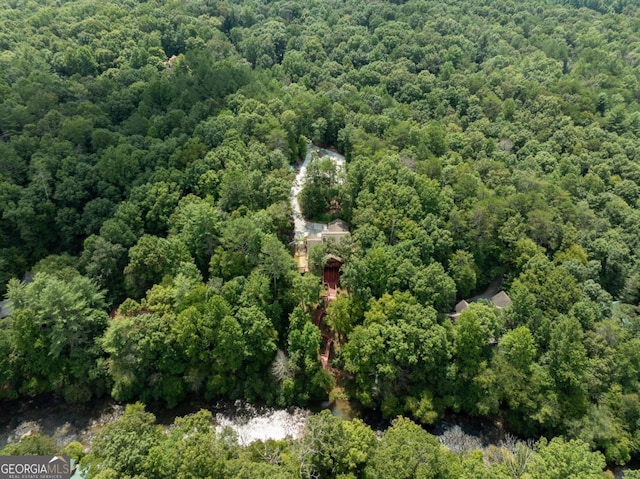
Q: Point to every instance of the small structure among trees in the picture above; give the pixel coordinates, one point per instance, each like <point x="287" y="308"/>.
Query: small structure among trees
<point x="500" y="300"/>
<point x="331" y="274"/>
<point x="459" y="308"/>
<point x="334" y="231"/>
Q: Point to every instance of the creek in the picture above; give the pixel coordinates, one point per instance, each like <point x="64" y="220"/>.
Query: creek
<point x="66" y="423"/>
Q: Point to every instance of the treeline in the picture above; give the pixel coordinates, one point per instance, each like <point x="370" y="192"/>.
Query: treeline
<point x="601" y="6"/>
<point x="149" y="196"/>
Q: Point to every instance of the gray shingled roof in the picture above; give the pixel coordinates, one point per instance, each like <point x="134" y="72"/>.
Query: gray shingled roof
<point x="338" y="226"/>
<point x="461" y="306"/>
<point x="501" y="299"/>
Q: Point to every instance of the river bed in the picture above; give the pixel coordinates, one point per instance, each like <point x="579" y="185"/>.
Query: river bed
<point x="66" y="423"/>
<point x="52" y="417"/>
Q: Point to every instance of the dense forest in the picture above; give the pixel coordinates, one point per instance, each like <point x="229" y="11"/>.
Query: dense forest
<point x="147" y="152"/>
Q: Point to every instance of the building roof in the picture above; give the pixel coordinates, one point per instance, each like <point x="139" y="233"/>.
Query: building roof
<point x="501" y="300"/>
<point x="169" y="63"/>
<point x="313" y="240"/>
<point x="338" y="226"/>
<point x="461" y="306"/>
<point x="333" y="257"/>
<point x="336" y="229"/>
<point x="336" y="235"/>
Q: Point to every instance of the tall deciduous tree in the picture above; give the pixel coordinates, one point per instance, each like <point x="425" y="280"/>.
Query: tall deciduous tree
<point x="408" y="451"/>
<point x="150" y="259"/>
<point x="55" y="323"/>
<point x="123" y="446"/>
<point x="399" y="351"/>
<point x="198" y="225"/>
<point x="558" y="459"/>
<point x="275" y="261"/>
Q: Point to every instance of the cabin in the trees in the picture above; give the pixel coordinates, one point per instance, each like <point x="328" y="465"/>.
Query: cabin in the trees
<point x="460" y="307"/>
<point x="499" y="300"/>
<point x="335" y="231"/>
<point x="169" y="63"/>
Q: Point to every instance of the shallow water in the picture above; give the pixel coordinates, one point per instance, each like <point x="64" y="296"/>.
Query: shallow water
<point x="252" y="423"/>
<point x="51" y="417"/>
<point x="67" y="423"/>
